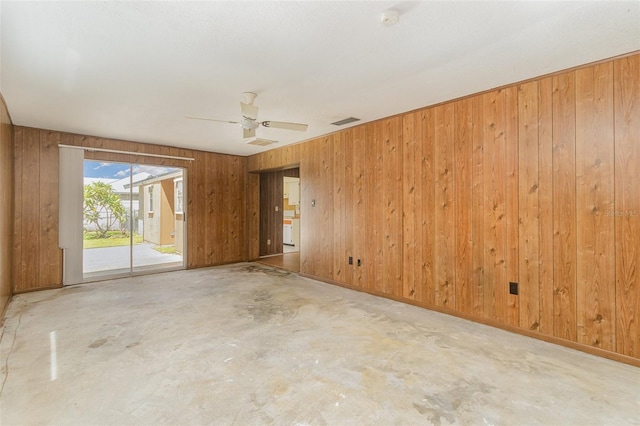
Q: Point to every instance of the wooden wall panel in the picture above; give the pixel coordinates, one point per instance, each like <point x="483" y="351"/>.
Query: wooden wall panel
<point x="6" y="207"/>
<point x="564" y="207"/>
<point x="412" y="191"/>
<point x="316" y="208"/>
<point x="477" y="206"/>
<point x="545" y="197"/>
<point x="444" y="212"/>
<point x="37" y="260"/>
<point x="626" y="213"/>
<point x="252" y="209"/>
<point x="271" y="214"/>
<point x="495" y="223"/>
<point x="595" y="184"/>
<point x="50" y="264"/>
<point x="373" y="260"/>
<point x="392" y="205"/>
<point x="463" y="205"/>
<point x="428" y="228"/>
<point x="215" y="201"/>
<point x="512" y="241"/>
<point x="358" y="204"/>
<point x="529" y="204"/>
<point x="341" y="211"/>
<point x="510" y="185"/>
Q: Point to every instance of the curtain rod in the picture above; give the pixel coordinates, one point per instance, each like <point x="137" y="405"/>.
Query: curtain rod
<point x="115" y="151"/>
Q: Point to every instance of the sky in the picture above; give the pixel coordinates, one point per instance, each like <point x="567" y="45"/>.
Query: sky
<point x="101" y="169"/>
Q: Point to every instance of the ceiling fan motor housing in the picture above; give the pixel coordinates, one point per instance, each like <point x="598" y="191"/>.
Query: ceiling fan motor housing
<point x="249" y="124"/>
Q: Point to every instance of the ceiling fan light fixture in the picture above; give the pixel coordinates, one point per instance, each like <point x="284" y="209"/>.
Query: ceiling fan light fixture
<point x="249" y="124"/>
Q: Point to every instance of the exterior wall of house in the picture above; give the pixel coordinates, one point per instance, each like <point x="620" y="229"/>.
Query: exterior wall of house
<point x="179" y="219"/>
<point x="159" y="221"/>
<point x="6" y="206"/>
<point x="532" y="184"/>
<point x="152" y="213"/>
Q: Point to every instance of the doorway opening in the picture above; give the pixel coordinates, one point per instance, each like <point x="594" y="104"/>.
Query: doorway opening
<point x="133" y="219"/>
<point x="280" y="217"/>
<point x="291" y="215"/>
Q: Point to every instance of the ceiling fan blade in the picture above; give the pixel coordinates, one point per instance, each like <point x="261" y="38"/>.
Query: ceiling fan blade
<point x="211" y="119"/>
<point x="249" y="111"/>
<point x="285" y="125"/>
<point x="248" y="133"/>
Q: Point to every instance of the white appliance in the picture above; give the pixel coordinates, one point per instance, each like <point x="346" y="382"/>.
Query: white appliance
<point x="287" y="233"/>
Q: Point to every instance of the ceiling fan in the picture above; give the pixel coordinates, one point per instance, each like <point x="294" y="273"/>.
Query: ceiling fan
<point x="249" y="121"/>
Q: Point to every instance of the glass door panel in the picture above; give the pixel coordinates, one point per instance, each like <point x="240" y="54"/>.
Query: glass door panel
<point x="106" y="233"/>
<point x="133" y="219"/>
<point x="160" y="220"/>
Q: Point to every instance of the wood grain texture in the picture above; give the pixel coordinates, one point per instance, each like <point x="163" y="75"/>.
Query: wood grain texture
<point x="411" y="246"/>
<point x="341" y="266"/>
<point x="529" y="205"/>
<point x="557" y="135"/>
<point x="495" y="223"/>
<point x="373" y="260"/>
<point x="392" y="205"/>
<point x="16" y="273"/>
<point x="359" y="204"/>
<point x="428" y="228"/>
<point x="463" y="205"/>
<point x="477" y="202"/>
<point x="28" y="274"/>
<point x="545" y="200"/>
<point x="512" y="241"/>
<point x="564" y="207"/>
<point x="627" y="204"/>
<point x="50" y="259"/>
<point x="347" y="142"/>
<point x="7" y="203"/>
<point x="444" y="212"/>
<point x="252" y="209"/>
<point x="595" y="197"/>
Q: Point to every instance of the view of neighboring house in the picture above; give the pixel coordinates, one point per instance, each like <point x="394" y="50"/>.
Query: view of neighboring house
<point x="128" y="198"/>
<point x="161" y="209"/>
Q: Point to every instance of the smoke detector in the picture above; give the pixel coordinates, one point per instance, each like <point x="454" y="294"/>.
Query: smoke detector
<point x="389" y="17"/>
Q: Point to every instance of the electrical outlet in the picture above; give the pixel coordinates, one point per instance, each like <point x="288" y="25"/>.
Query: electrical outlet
<point x="277" y="208"/>
<point x="513" y="288"/>
<point x="350" y="260"/>
<point x="268" y="242"/>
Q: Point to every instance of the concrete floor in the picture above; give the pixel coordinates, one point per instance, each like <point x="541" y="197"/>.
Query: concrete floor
<point x="98" y="262"/>
<point x="247" y="344"/>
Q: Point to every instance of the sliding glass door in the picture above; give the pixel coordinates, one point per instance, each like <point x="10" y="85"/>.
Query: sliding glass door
<point x="133" y="219"/>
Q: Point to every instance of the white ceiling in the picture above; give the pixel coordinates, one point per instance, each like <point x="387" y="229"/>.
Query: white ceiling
<point x="132" y="70"/>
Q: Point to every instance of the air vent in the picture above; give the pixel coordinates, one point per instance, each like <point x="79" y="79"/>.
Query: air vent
<point x="260" y="142"/>
<point x="345" y="121"/>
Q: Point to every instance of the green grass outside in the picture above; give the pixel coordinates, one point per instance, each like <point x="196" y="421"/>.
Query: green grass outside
<point x="166" y="249"/>
<point x="113" y="239"/>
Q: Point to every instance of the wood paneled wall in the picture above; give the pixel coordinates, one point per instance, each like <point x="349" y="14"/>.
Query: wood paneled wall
<point x="6" y="206"/>
<point x="445" y="206"/>
<point x="215" y="202"/>
<point x="271" y="204"/>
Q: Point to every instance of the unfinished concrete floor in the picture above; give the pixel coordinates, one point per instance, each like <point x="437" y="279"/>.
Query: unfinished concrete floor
<point x="247" y="344"/>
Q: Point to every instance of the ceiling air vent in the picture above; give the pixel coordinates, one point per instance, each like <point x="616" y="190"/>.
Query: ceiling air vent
<point x="260" y="142"/>
<point x="345" y="121"/>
